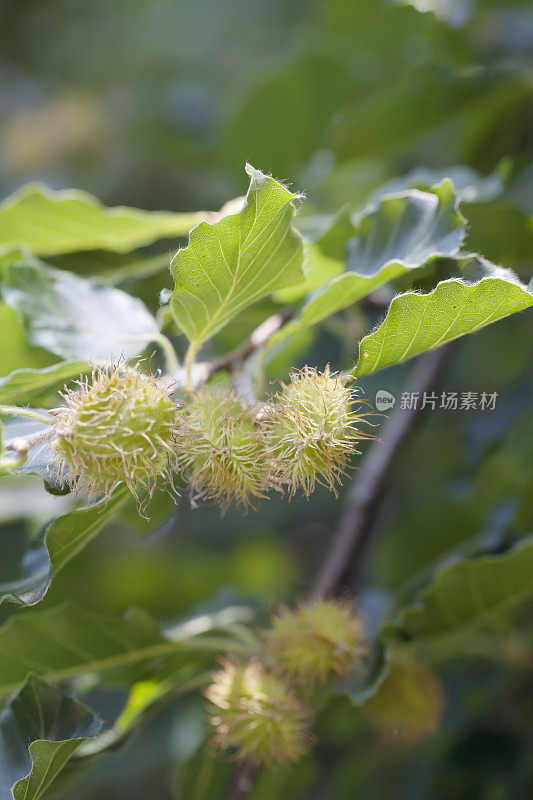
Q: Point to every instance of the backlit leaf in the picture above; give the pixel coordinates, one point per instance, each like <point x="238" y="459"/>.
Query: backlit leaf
<point x="238" y="260"/>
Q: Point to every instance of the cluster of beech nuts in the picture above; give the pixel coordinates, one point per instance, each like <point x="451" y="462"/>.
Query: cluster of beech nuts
<point x="119" y="426"/>
<point x="261" y="709"/>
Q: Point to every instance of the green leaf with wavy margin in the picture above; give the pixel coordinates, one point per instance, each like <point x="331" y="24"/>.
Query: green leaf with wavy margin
<point x="50" y="222"/>
<point x="238" y="260"/>
<point x="403" y="233"/>
<point x="66" y="641"/>
<point x="419" y="322"/>
<point x="64" y="538"/>
<point x="467" y="594"/>
<point x="40" y="730"/>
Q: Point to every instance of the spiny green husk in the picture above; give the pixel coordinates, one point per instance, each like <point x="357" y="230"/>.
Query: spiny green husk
<point x="258" y="713"/>
<point x="317" y="641"/>
<point x="314" y="429"/>
<point x="118" y="426"/>
<point x="222" y="450"/>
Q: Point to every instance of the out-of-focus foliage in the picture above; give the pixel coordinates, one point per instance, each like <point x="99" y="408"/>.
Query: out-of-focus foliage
<point x="157" y="105"/>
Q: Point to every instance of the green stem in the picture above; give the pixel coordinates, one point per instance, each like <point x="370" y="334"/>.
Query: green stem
<point x="171" y="358"/>
<point x="17" y="411"/>
<point x="191" y="352"/>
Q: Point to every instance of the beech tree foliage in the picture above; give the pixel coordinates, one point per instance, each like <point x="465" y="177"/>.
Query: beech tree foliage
<point x="248" y="366"/>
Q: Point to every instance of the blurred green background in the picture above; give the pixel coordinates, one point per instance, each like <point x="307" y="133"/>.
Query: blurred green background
<point x="158" y="104"/>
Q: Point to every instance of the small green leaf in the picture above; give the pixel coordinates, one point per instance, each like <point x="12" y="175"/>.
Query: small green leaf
<point x="238" y="260"/>
<point x="419" y="322"/>
<point x="339" y="293"/>
<point x="64" y="538"/>
<point x="403" y="233"/>
<point x="66" y="641"/>
<point x="40" y="729"/>
<point x="50" y="222"/>
<point x="75" y="317"/>
<point x="145" y="698"/>
<point x="23" y="385"/>
<point x="467" y="594"/>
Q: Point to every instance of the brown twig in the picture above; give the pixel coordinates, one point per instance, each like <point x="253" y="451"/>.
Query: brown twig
<point x="258" y="339"/>
<point x="356" y="523"/>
